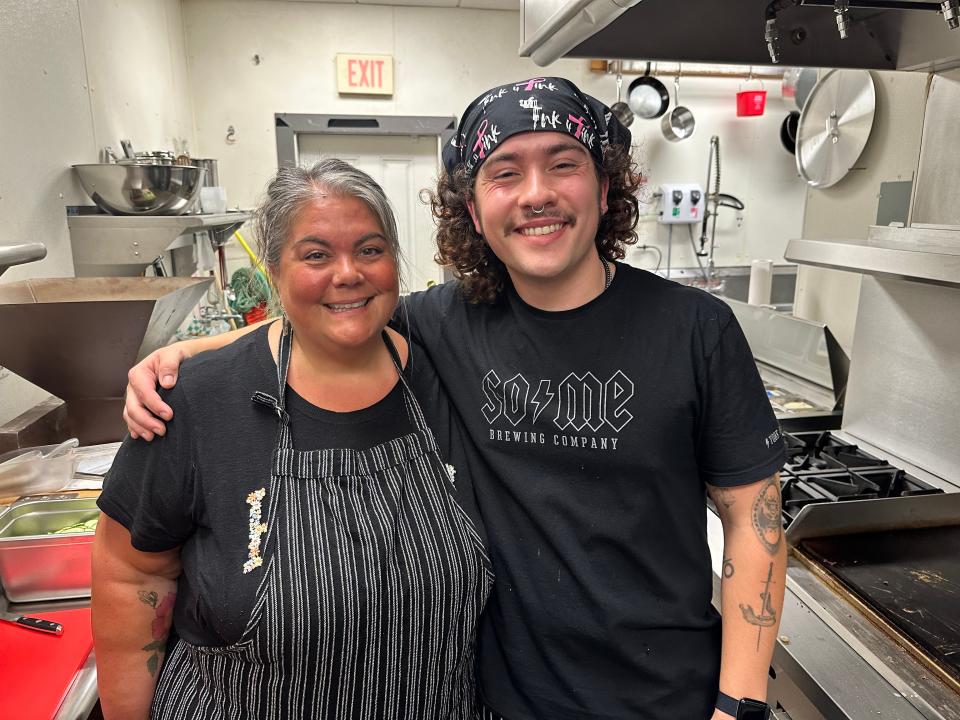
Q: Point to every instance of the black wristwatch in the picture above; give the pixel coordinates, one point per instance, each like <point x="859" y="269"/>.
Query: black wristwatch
<point x="742" y="709"/>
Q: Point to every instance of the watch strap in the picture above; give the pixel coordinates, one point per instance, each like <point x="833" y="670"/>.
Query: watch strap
<point x="727" y="704"/>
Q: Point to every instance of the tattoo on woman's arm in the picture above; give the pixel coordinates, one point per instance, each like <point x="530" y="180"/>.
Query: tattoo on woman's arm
<point x="159" y="628"/>
<point x="767" y="521"/>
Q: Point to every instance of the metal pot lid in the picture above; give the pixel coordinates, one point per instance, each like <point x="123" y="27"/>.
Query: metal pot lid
<point x="835" y="126"/>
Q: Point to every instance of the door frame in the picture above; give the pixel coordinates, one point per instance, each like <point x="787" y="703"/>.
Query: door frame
<point x="289" y="126"/>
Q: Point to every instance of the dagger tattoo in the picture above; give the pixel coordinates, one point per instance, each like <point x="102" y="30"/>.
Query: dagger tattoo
<point x="768" y="615"/>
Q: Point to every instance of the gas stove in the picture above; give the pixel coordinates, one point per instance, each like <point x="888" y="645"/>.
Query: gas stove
<point x="822" y="468"/>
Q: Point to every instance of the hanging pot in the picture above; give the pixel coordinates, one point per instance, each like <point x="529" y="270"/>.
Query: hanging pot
<point x="620" y="109"/>
<point x="796" y="86"/>
<point x="788" y="132"/>
<point x="647" y="96"/>
<point x="679" y="123"/>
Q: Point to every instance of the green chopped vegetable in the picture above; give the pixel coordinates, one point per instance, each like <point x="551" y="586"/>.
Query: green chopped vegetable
<point x="83" y="527"/>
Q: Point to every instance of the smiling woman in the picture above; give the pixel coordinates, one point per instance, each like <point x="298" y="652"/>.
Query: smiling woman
<point x="309" y="532"/>
<point x="332" y="251"/>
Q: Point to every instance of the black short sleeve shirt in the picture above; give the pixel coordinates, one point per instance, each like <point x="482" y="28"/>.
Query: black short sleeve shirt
<point x="188" y="488"/>
<point x="596" y="430"/>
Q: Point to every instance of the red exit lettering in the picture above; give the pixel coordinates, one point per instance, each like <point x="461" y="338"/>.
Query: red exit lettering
<point x="365" y="73"/>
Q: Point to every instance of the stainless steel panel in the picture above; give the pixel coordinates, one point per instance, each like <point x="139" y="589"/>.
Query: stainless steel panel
<point x="789" y="343"/>
<point x="903" y="393"/>
<point x="942" y="266"/>
<point x="36" y="565"/>
<point x="555" y="27"/>
<point x="733" y="32"/>
<point x="77" y="337"/>
<point x="894" y="202"/>
<point x="938" y="175"/>
<point x="875" y="515"/>
<point x="943" y="239"/>
<point x="122" y="246"/>
<point x="11" y="255"/>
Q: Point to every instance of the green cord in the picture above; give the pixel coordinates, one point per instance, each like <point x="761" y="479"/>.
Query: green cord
<point x="250" y="288"/>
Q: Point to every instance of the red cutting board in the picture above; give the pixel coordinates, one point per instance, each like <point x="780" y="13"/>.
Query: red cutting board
<point x="36" y="669"/>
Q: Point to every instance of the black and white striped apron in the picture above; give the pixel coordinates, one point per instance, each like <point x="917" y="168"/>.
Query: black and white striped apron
<point x="373" y="580"/>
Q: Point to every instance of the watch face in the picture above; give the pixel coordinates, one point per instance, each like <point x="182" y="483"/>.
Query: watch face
<point x="752" y="710"/>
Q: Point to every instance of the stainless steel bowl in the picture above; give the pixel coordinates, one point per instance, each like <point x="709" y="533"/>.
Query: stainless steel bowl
<point x="132" y="189"/>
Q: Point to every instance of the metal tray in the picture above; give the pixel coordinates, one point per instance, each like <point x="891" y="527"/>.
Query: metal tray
<point x="35" y="565"/>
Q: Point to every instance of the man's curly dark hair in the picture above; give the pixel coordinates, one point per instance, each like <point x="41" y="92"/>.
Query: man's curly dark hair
<point x="481" y="273"/>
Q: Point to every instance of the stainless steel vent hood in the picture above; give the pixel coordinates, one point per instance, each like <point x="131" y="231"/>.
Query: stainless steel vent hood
<point x="881" y="34"/>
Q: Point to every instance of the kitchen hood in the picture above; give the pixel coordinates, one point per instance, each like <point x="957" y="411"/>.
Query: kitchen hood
<point x="880" y="34"/>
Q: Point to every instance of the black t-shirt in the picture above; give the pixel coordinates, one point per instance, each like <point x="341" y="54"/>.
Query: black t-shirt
<point x="596" y="429"/>
<point x="188" y="487"/>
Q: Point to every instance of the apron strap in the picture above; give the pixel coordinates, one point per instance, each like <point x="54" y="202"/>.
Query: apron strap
<point x="283" y="362"/>
<point x="278" y="403"/>
<point x="409" y="399"/>
<point x="271" y="402"/>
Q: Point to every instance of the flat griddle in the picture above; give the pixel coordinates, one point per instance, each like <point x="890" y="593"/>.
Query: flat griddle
<point x="910" y="579"/>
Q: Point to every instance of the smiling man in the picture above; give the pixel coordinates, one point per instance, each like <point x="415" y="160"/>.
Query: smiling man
<point x="603" y="403"/>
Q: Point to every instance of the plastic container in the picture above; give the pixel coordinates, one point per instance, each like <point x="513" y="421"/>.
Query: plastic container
<point x="37" y="470"/>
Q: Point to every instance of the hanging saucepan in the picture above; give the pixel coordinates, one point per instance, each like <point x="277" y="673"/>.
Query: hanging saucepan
<point x="788" y="132"/>
<point x="620" y="109"/>
<point x="678" y="124"/>
<point x="796" y="86"/>
<point x="647" y="96"/>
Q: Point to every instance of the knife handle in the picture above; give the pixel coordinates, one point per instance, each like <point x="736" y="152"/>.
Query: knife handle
<point x="42" y="625"/>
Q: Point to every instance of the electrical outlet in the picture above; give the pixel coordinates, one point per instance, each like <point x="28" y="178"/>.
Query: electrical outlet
<point x="681" y="203"/>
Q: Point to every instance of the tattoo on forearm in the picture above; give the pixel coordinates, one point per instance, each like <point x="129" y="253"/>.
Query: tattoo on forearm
<point x="728" y="568"/>
<point x="767" y="617"/>
<point x="722" y="496"/>
<point x="159" y="628"/>
<point x="767" y="521"/>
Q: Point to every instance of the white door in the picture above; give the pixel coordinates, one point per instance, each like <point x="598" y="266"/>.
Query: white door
<point x="403" y="165"/>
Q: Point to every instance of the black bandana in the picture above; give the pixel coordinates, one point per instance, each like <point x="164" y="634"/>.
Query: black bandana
<point x="537" y="105"/>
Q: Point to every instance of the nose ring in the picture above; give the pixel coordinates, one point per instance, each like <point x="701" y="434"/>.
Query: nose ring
<point x="538" y="212"/>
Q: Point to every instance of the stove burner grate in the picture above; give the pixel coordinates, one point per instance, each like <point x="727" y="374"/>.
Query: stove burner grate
<point x="821" y="468"/>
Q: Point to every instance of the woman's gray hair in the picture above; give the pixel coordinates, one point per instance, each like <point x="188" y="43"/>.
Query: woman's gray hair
<point x="293" y="187"/>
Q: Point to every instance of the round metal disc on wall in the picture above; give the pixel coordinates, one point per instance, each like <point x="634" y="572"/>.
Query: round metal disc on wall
<point x="834" y="126"/>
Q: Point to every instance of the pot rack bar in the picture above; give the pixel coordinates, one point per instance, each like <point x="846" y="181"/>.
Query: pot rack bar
<point x="639" y="67"/>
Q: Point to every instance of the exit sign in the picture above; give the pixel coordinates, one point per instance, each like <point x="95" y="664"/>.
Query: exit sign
<point x="364" y="74"/>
